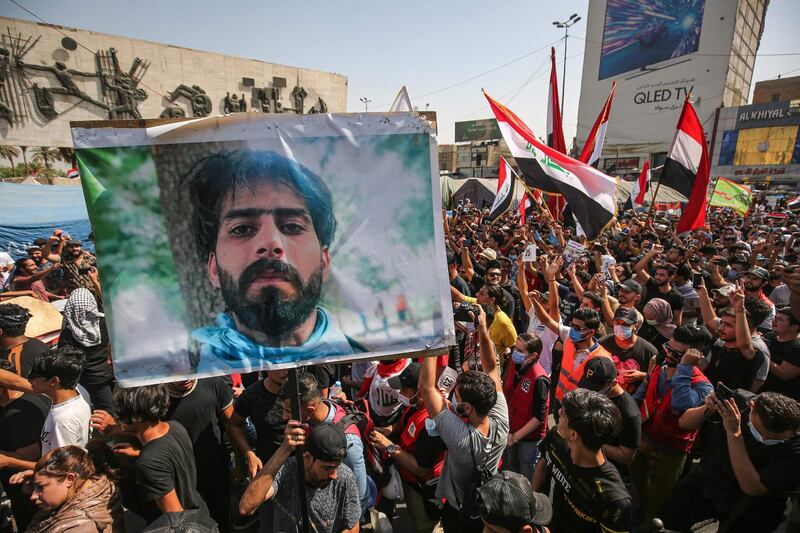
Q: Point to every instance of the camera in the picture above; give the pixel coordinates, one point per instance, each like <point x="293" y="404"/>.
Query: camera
<point x="461" y="313"/>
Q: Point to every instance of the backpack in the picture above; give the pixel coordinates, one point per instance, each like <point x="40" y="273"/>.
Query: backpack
<point x="357" y="413"/>
<point x="470" y="508"/>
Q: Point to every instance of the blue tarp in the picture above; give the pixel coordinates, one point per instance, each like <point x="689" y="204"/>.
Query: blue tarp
<point x="28" y="212"/>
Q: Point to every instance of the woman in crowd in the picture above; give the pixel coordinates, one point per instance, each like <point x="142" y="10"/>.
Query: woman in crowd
<point x="658" y="326"/>
<point x="74" y="495"/>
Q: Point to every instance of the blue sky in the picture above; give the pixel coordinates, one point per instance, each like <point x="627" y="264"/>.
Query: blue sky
<point x="381" y="45"/>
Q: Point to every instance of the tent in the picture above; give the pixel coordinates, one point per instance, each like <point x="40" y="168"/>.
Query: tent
<point x="28" y="212"/>
<point x="480" y="191"/>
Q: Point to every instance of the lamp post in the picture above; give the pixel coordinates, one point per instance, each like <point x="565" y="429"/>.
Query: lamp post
<point x="366" y="103"/>
<point x="567" y="24"/>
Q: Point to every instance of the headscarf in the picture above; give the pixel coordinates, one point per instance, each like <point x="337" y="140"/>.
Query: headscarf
<point x="663" y="316"/>
<point x="82" y="317"/>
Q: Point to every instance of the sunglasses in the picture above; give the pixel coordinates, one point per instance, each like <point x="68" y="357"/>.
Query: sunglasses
<point x="671" y="350"/>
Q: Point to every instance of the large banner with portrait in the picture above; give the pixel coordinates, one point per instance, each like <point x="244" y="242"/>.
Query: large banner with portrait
<point x="249" y="242"/>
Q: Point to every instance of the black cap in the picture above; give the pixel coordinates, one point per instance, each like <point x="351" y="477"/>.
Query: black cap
<point x="598" y="372"/>
<point x="74" y="242"/>
<point x="408" y="378"/>
<point x="507" y="500"/>
<point x="327" y="442"/>
<point x="626" y="315"/>
<point x="630" y="285"/>
<point x="759" y="272"/>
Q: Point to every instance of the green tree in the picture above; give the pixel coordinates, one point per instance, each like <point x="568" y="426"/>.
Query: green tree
<point x="9" y="152"/>
<point x="45" y="154"/>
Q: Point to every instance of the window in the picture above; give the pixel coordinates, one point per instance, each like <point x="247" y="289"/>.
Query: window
<point x="776" y="97"/>
<point x="727" y="148"/>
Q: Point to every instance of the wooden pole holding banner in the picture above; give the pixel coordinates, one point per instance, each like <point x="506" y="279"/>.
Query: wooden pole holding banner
<point x="294" y="400"/>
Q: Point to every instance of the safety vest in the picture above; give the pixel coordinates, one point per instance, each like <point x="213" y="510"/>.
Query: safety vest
<point x="568" y="379"/>
<point x="659" y="421"/>
<point x="520" y="399"/>
<point x="414" y="424"/>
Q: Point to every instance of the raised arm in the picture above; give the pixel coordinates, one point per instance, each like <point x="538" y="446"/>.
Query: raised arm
<point x="744" y="341"/>
<point x="487" y="353"/>
<point x="543" y="316"/>
<point x="466" y="262"/>
<point x="427" y="387"/>
<point x="522" y="284"/>
<point x="706" y="308"/>
<point x="642" y="276"/>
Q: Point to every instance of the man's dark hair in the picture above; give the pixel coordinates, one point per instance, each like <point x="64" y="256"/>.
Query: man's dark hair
<point x="148" y="404"/>
<point x="40" y="242"/>
<point x="66" y="363"/>
<point x="214" y="178"/>
<point x="596" y="299"/>
<point x="533" y="344"/>
<point x="21" y="261"/>
<point x="681" y="250"/>
<point x="684" y="271"/>
<point x="669" y="267"/>
<point x="779" y="413"/>
<point x="478" y="389"/>
<point x="590" y="317"/>
<point x="757" y="311"/>
<point x="13" y="319"/>
<point x="697" y="337"/>
<point x="499" y="238"/>
<point x="492" y="263"/>
<point x="592" y="416"/>
<point x="584" y="276"/>
<point x="307" y="388"/>
<point x="496" y="292"/>
<point x="785" y="311"/>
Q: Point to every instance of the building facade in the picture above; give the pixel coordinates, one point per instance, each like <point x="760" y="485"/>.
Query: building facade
<point x="777" y="90"/>
<point x="51" y="75"/>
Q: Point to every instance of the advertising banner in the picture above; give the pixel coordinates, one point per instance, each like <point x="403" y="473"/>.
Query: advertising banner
<point x="477" y="130"/>
<point x="251" y="241"/>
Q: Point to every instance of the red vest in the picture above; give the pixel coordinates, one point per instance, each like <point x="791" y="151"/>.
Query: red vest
<point x="339" y="414"/>
<point x="412" y="429"/>
<point x="660" y="422"/>
<point x="520" y="399"/>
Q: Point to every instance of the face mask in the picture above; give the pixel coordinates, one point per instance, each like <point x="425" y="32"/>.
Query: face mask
<point x="513" y="257"/>
<point x="406" y="401"/>
<point x="518" y="357"/>
<point x="576" y="336"/>
<point x="760" y="438"/>
<point x="623" y="332"/>
<point x="652" y="322"/>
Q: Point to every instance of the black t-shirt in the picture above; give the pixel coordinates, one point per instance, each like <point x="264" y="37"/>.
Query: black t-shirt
<point x="325" y="374"/>
<point x="672" y="297"/>
<point x="641" y="351"/>
<point x="779" y="351"/>
<point x="777" y="467"/>
<point x="731" y="368"/>
<point x="198" y="412"/>
<point x="584" y="499"/>
<point x="97" y="369"/>
<point x="32" y="349"/>
<point x="461" y="285"/>
<point x="266" y="412"/>
<point x="630" y="434"/>
<point x="21" y="421"/>
<point x="651" y="335"/>
<point x="568" y="302"/>
<point x="167" y="464"/>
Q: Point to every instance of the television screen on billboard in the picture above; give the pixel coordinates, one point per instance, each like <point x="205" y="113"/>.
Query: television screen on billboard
<point x="638" y="33"/>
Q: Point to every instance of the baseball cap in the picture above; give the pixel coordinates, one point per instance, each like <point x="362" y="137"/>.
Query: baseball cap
<point x="489" y="254"/>
<point x="74" y="242"/>
<point x="759" y="272"/>
<point x="598" y="372"/>
<point x="409" y="377"/>
<point x="626" y="315"/>
<point x="725" y="290"/>
<point x="327" y="442"/>
<point x="630" y="285"/>
<point x="507" y="500"/>
<point x="33" y="248"/>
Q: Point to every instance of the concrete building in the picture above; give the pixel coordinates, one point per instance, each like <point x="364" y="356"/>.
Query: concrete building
<point x="52" y="75"/>
<point x="778" y="90"/>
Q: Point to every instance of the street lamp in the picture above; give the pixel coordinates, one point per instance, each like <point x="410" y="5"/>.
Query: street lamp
<point x="567" y="24"/>
<point x="366" y="103"/>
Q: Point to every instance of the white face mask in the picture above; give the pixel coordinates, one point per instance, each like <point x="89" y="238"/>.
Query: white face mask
<point x="406" y="401"/>
<point x="623" y="332"/>
<point x="653" y="322"/>
<point x="760" y="438"/>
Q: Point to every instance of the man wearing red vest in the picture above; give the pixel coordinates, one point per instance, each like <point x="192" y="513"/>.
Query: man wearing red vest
<point x="673" y="385"/>
<point x="527" y="389"/>
<point x="580" y="345"/>
<point x="418" y="450"/>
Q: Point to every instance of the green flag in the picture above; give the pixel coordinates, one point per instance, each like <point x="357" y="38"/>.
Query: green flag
<point x="729" y="194"/>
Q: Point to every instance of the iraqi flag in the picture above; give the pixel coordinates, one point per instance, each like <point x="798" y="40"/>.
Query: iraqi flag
<point x="505" y="191"/>
<point x="524" y="204"/>
<point x="555" y="134"/>
<point x="73" y="173"/>
<point x="686" y="169"/>
<point x="591" y="194"/>
<point x="794" y="203"/>
<point x="597" y="137"/>
<point x="640" y="188"/>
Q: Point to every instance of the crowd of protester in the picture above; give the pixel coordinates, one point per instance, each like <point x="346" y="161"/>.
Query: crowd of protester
<point x="648" y="383"/>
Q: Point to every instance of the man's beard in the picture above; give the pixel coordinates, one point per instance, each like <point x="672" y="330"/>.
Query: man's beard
<point x="273" y="313"/>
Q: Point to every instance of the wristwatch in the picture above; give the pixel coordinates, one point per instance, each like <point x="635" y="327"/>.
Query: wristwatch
<point x="391" y="449"/>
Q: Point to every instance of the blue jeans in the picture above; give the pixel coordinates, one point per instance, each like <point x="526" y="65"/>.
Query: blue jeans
<point x="522" y="457"/>
<point x="355" y="461"/>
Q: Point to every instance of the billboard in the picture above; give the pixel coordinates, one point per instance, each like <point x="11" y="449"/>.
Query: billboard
<point x="477" y="130"/>
<point x="639" y="33"/>
<point x="252" y="241"/>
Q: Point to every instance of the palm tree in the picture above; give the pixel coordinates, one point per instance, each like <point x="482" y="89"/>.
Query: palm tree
<point x="9" y="152"/>
<point x="25" y="158"/>
<point x="45" y="154"/>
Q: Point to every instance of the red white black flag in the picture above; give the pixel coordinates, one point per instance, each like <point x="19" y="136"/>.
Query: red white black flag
<point x="555" y="133"/>
<point x="524" y="205"/>
<point x="686" y="169"/>
<point x="640" y="188"/>
<point x="597" y="137"/>
<point x="505" y="190"/>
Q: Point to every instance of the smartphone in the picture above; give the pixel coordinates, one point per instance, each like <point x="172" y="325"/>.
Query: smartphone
<point x="723" y="392"/>
<point x="467" y="242"/>
<point x="697" y="280"/>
